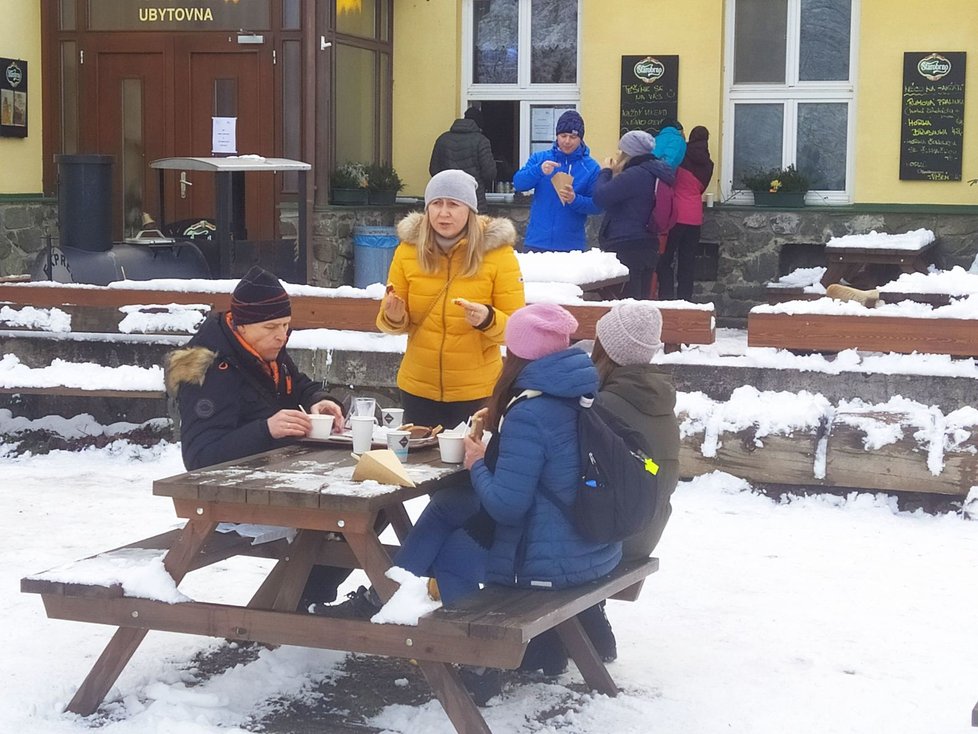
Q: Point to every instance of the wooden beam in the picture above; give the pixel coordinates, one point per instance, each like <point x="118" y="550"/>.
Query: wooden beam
<point x="810" y="332"/>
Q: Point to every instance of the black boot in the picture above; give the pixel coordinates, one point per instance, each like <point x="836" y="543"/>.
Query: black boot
<point x="360" y="604"/>
<point x="545" y="652"/>
<point x="481" y="683"/>
<point x="598" y="629"/>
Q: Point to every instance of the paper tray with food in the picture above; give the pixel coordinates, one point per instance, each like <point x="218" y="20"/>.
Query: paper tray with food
<point x="421" y="437"/>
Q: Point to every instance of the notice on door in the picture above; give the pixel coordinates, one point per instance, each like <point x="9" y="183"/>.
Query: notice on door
<point x="649" y="92"/>
<point x="932" y="127"/>
<point x="224" y="136"/>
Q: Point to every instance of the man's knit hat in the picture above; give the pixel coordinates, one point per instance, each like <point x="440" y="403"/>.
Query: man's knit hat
<point x="636" y="142"/>
<point x="259" y="296"/>
<point x="452" y="184"/>
<point x="571" y="122"/>
<point x="630" y="332"/>
<point x="539" y="329"/>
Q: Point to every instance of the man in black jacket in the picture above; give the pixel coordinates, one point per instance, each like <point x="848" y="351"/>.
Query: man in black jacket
<point x="239" y="392"/>
<point x="465" y="147"/>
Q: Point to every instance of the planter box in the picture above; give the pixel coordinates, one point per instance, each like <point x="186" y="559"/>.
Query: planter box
<point x="779" y="198"/>
<point x="382" y="198"/>
<point x="349" y="197"/>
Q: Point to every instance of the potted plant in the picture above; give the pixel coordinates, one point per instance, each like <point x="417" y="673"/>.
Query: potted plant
<point x="777" y="186"/>
<point x="383" y="183"/>
<point x="348" y="184"/>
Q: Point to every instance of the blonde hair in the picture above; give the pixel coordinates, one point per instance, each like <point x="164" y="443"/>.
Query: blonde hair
<point x="619" y="163"/>
<point x="429" y="254"/>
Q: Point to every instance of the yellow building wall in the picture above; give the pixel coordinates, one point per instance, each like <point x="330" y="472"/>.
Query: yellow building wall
<point x="427" y="83"/>
<point x="20" y="38"/>
<point x="887" y="30"/>
<point x="693" y="30"/>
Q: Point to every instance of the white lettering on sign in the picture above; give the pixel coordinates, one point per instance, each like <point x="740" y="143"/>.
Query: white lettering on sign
<point x="177" y="15"/>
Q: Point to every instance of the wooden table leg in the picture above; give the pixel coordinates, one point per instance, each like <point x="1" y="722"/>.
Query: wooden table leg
<point x="400" y="521"/>
<point x="448" y="689"/>
<point x="124" y="642"/>
<point x="374" y="560"/>
<point x="588" y="661"/>
<point x="282" y="588"/>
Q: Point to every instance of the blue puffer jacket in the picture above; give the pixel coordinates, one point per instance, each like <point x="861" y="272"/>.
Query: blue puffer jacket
<point x="627" y="200"/>
<point x="554" y="226"/>
<point x="535" y="545"/>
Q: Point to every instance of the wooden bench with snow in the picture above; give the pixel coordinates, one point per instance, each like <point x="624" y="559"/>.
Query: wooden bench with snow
<point x="801" y="439"/>
<point x="932" y="313"/>
<point x="343" y="308"/>
<point x="136" y="588"/>
<point x="868" y="260"/>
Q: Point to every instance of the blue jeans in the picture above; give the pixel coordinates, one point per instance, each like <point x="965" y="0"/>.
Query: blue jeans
<point x="439" y="546"/>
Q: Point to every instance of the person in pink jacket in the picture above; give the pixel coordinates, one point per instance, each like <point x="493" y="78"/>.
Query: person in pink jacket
<point x="692" y="178"/>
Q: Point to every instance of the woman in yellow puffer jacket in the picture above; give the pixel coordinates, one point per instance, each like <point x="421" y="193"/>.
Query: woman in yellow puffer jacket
<point x="453" y="283"/>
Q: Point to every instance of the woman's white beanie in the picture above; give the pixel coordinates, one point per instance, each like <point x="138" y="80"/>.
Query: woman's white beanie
<point x="452" y="184"/>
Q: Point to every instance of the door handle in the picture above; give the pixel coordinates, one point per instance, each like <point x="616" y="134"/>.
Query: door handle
<point x="184" y="183"/>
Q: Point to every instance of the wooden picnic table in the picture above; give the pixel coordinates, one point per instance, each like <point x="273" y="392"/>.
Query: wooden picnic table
<point x="309" y="487"/>
<point x="868" y="267"/>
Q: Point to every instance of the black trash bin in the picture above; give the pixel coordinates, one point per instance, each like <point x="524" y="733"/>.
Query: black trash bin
<point x="85" y="201"/>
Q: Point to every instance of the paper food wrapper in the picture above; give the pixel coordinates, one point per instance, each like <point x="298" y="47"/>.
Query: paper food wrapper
<point x="382" y="465"/>
<point x="560" y="180"/>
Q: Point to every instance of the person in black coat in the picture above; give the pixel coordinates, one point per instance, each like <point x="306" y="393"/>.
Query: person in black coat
<point x="239" y="392"/>
<point x="465" y="147"/>
<point x="625" y="189"/>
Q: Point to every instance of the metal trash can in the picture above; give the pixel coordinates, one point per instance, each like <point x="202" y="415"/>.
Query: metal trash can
<point x="373" y="250"/>
<point x="85" y="201"/>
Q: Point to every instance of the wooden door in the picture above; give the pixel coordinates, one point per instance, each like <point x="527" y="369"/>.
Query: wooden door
<point x="216" y="79"/>
<point x="128" y="119"/>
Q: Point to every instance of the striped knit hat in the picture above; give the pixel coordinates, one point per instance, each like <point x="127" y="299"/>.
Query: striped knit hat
<point x="259" y="297"/>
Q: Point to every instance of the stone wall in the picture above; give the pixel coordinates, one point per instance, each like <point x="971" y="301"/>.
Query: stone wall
<point x="23" y="225"/>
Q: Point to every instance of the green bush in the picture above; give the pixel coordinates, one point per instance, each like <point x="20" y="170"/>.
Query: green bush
<point x="383" y="177"/>
<point x="350" y="175"/>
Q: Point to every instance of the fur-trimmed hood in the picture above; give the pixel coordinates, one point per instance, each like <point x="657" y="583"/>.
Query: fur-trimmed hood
<point x="187" y="365"/>
<point x="498" y="231"/>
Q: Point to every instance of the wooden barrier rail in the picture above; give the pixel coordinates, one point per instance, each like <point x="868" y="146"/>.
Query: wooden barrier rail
<point x="679" y="325"/>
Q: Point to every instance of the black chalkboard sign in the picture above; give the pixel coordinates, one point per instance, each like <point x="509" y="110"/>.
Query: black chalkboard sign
<point x="649" y="92"/>
<point x="932" y="126"/>
<point x="13" y="98"/>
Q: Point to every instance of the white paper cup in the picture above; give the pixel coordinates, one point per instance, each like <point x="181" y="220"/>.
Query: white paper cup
<point x="322" y="425"/>
<point x="393" y="417"/>
<point x="362" y="428"/>
<point x="451" y="447"/>
<point x="398" y="442"/>
<point x="708" y="198"/>
<point x="364" y="407"/>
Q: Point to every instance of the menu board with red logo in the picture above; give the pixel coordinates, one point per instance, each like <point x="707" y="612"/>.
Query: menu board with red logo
<point x="649" y="92"/>
<point x="13" y="98"/>
<point x="932" y="126"/>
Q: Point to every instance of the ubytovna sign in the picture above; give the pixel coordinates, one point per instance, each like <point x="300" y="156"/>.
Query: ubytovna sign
<point x="179" y="15"/>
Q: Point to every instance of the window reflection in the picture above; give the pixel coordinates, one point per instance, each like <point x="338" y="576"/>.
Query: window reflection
<point x="355" y="104"/>
<point x="357" y="17"/>
<point x="760" y="37"/>
<point x="758" y="136"/>
<point x="822" y="149"/>
<point x="495" y="41"/>
<point x="824" y="47"/>
<point x="553" y="42"/>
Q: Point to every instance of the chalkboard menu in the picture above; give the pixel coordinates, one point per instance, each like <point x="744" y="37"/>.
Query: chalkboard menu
<point x="932" y="125"/>
<point x="13" y="98"/>
<point x="649" y="92"/>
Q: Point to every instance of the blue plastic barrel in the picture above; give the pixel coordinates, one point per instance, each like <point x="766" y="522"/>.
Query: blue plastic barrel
<point x="373" y="250"/>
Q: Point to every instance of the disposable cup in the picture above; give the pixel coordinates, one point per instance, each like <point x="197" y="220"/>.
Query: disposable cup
<point x="708" y="198"/>
<point x="451" y="447"/>
<point x="398" y="442"/>
<point x="362" y="428"/>
<point x="322" y="425"/>
<point x="364" y="407"/>
<point x="393" y="417"/>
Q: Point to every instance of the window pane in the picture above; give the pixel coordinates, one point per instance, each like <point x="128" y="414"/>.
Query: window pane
<point x="495" y="38"/>
<point x="553" y="41"/>
<point x="758" y="135"/>
<point x="760" y="33"/>
<point x="357" y="17"/>
<point x="356" y="90"/>
<point x="291" y="109"/>
<point x="290" y="15"/>
<point x="69" y="97"/>
<point x="824" y="50"/>
<point x="385" y="109"/>
<point x="67" y="15"/>
<point x="133" y="156"/>
<point x="822" y="149"/>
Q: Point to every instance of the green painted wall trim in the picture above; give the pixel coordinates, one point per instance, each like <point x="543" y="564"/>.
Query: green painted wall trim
<point x="19" y="198"/>
<point x="962" y="209"/>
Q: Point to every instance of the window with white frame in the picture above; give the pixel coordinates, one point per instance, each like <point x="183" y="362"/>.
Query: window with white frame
<point x="520" y="67"/>
<point x="790" y="93"/>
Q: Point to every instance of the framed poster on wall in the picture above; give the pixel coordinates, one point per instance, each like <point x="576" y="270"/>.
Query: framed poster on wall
<point x="13" y="98"/>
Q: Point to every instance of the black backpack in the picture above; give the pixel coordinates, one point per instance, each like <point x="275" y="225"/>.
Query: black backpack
<point x="618" y="486"/>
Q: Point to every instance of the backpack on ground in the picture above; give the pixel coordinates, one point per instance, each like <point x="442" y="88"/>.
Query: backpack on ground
<point x="618" y="485"/>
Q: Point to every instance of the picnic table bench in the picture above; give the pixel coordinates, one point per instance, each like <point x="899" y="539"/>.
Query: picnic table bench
<point x="867" y="267"/>
<point x="307" y="487"/>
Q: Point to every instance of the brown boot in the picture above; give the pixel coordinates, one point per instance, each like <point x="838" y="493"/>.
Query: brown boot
<point x="847" y="293"/>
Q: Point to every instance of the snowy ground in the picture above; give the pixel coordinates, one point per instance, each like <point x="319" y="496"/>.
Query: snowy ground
<point x="817" y="615"/>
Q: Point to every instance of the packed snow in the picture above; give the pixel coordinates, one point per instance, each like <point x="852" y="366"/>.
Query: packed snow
<point x="913" y="240"/>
